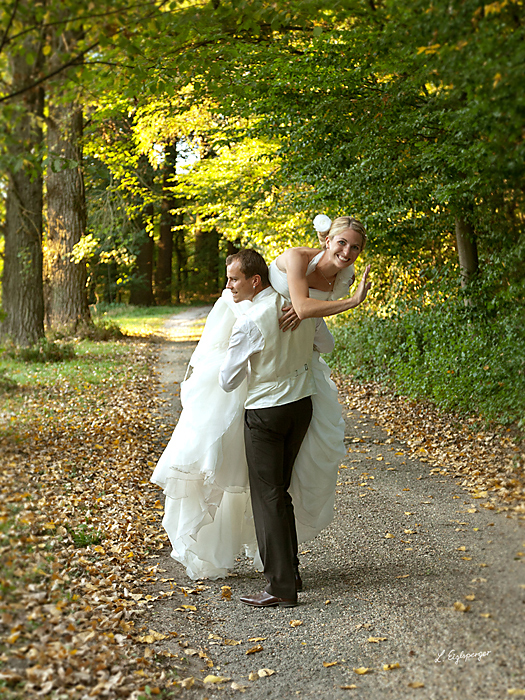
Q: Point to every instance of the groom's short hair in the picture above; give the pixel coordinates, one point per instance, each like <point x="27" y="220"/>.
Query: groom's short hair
<point x="251" y="263"/>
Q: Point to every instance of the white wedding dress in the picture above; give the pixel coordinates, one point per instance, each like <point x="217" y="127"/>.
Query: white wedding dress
<point x="203" y="469"/>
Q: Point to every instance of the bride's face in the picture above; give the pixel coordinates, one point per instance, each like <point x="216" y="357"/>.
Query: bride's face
<point x="344" y="247"/>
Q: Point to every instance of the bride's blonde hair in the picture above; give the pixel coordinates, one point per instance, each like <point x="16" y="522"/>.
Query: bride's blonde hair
<point x="340" y="224"/>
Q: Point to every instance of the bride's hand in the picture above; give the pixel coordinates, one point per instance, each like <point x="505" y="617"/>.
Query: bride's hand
<point x="289" y="320"/>
<point x="363" y="288"/>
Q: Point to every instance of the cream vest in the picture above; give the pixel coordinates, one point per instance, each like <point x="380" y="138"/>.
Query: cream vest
<point x="281" y="372"/>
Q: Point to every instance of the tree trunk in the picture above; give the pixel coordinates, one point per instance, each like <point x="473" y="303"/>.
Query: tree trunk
<point x="23" y="298"/>
<point x="467" y="250"/>
<point x="66" y="293"/>
<point x="142" y="284"/>
<point x="181" y="258"/>
<point x="163" y="272"/>
<point x="207" y="259"/>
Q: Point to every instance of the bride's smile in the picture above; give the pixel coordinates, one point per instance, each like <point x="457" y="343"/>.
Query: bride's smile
<point x="342" y="250"/>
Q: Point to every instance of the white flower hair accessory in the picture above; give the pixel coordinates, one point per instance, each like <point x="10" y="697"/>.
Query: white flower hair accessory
<point x="322" y="223"/>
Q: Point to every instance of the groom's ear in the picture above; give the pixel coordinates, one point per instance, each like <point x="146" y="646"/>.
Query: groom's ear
<point x="256" y="281"/>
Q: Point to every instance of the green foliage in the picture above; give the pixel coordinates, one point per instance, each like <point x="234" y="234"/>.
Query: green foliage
<point x="43" y="351"/>
<point x="101" y="330"/>
<point x="463" y="359"/>
<point x="7" y="383"/>
<point x="400" y="115"/>
<point x="408" y="115"/>
<point x="85" y="535"/>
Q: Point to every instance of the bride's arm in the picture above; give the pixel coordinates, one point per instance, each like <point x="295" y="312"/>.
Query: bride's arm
<point x="295" y="262"/>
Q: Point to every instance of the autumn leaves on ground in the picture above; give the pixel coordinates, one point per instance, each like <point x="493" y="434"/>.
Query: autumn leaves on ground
<point x="79" y="519"/>
<point x="77" y="526"/>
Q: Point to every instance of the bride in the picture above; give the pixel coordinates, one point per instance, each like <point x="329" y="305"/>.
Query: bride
<point x="203" y="469"/>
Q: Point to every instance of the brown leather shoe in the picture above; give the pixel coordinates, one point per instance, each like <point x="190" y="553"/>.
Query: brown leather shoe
<point x="267" y="600"/>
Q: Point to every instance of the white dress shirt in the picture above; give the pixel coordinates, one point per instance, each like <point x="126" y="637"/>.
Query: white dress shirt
<point x="246" y="340"/>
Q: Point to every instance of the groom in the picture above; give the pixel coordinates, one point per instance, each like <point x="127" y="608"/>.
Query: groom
<point x="277" y="416"/>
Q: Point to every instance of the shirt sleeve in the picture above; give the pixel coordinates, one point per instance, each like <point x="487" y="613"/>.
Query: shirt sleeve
<point x="245" y="340"/>
<point x="323" y="339"/>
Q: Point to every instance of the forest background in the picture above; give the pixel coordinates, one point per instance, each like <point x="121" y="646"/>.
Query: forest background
<point x="142" y="143"/>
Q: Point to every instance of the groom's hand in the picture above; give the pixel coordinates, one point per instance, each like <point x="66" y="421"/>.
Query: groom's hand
<point x="289" y="320"/>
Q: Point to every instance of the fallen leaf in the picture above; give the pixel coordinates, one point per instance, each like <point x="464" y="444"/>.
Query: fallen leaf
<point x="263" y="672"/>
<point x="362" y="670"/>
<point x="390" y="667"/>
<point x="348" y="687"/>
<point x="416" y="684"/>
<point x="255" y="649"/>
<point x="256" y="639"/>
<point x="152" y="637"/>
<point x="515" y="691"/>
<point x="253" y="676"/>
<point x="226" y="592"/>
<point x="388" y="536"/>
<point x="215" y="679"/>
<point x="471" y="596"/>
<point x="376" y="639"/>
<point x="296" y="623"/>
<point x="187" y="682"/>
<point x="238" y="686"/>
<point x="232" y="642"/>
<point x="326" y="664"/>
<point x="10" y="677"/>
<point x="460" y="607"/>
<point x="191" y="652"/>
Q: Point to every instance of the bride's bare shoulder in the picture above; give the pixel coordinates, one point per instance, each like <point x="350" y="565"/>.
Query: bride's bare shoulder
<point x="301" y="254"/>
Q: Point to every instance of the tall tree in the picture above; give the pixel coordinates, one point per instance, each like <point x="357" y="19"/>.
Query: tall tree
<point x="66" y="295"/>
<point x="29" y="59"/>
<point x="23" y="299"/>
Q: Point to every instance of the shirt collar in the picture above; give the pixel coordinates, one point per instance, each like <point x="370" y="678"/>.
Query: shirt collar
<point x="265" y="292"/>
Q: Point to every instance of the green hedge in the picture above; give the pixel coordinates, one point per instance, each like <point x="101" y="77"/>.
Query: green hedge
<point x="460" y="359"/>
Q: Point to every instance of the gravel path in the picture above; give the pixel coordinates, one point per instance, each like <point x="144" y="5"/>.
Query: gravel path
<point x="380" y="586"/>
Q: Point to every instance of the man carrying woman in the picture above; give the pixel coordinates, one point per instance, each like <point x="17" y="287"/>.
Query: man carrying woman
<point x="203" y="470"/>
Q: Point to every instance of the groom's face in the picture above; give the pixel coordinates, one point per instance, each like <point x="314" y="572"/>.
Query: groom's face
<point x="242" y="288"/>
